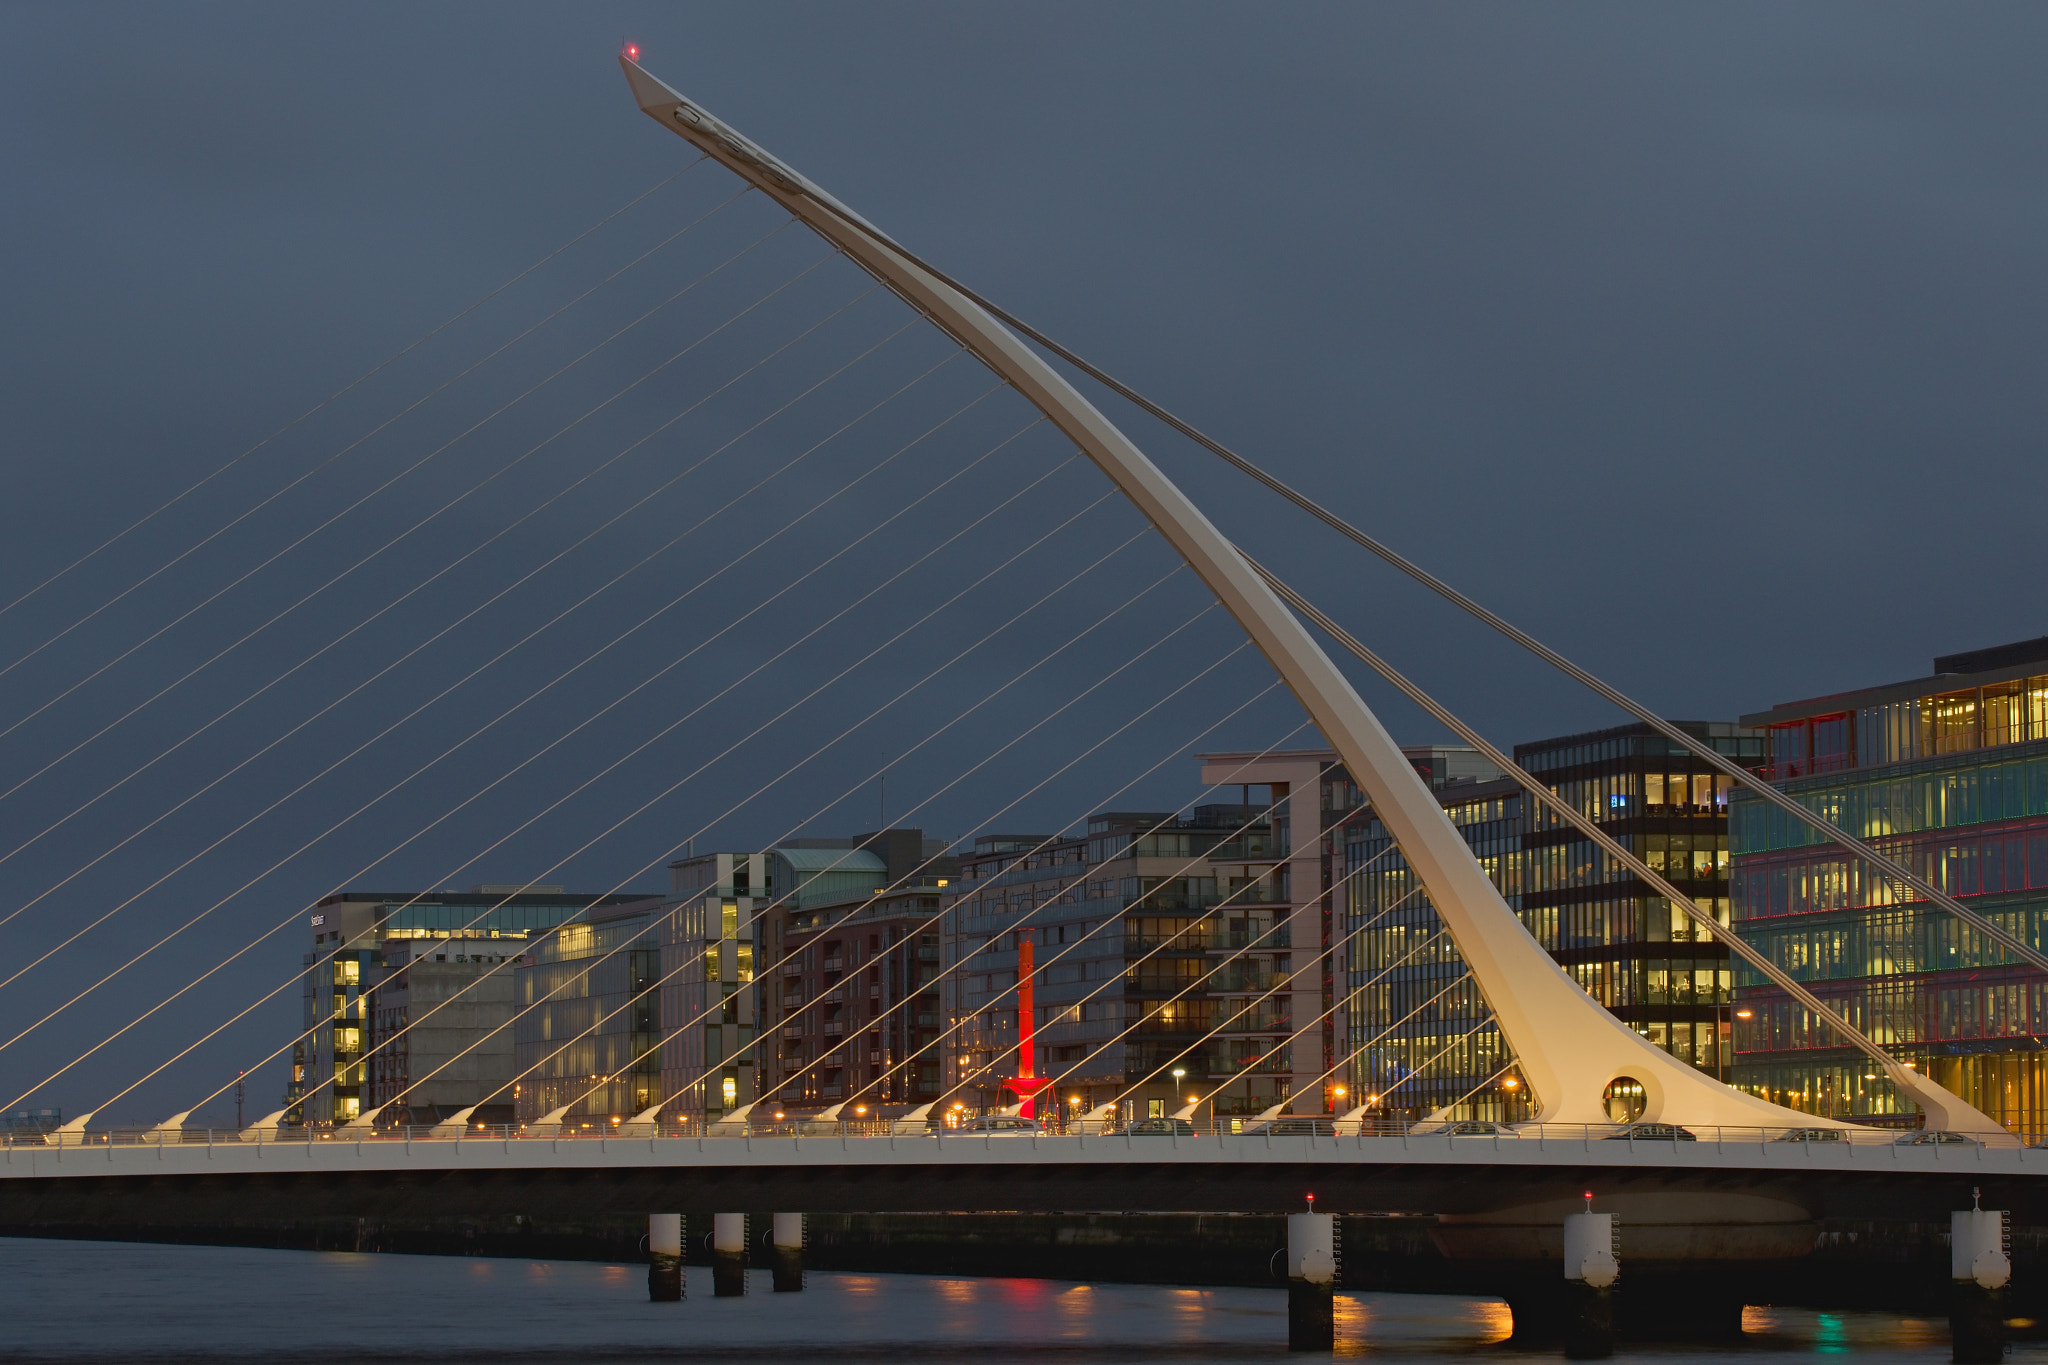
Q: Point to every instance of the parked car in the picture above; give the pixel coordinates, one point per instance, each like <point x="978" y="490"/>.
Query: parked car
<point x="1001" y="1125"/>
<point x="1652" y="1132"/>
<point x="1937" y="1138"/>
<point x="1814" y="1135"/>
<point x="1299" y="1125"/>
<point x="1481" y="1128"/>
<point x="1160" y="1128"/>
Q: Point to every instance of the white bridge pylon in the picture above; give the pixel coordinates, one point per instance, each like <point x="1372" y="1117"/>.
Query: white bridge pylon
<point x="1570" y="1049"/>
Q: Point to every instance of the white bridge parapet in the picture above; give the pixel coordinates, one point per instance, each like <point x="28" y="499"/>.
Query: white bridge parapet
<point x="1534" y="1147"/>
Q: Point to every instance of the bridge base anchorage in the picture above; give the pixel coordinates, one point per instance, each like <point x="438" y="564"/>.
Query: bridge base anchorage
<point x="1591" y="1266"/>
<point x="1980" y="1266"/>
<point x="1311" y="1282"/>
<point x="728" y="1255"/>
<point x="786" y="1241"/>
<point x="665" y="1257"/>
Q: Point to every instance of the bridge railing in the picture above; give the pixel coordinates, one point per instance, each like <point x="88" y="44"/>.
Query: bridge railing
<point x="1223" y="1130"/>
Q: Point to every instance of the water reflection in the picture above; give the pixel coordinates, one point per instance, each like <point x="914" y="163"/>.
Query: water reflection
<point x="80" y="1302"/>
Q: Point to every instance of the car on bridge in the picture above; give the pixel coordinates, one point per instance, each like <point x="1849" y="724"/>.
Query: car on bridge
<point x="1160" y="1128"/>
<point x="1000" y="1125"/>
<point x="1480" y="1128"/>
<point x="1294" y="1125"/>
<point x="1937" y="1137"/>
<point x="1652" y="1132"/>
<point x="1813" y="1135"/>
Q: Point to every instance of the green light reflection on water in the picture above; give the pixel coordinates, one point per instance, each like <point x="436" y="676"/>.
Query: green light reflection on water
<point x="1830" y="1335"/>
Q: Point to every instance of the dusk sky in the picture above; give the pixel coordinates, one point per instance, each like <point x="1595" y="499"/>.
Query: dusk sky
<point x="1705" y="343"/>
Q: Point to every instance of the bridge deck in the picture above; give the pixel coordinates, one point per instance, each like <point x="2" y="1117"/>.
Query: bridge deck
<point x="331" y="1175"/>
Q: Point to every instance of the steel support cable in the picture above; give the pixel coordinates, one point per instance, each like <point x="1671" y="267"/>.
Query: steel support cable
<point x="211" y="536"/>
<point x="927" y="800"/>
<point x="1133" y="782"/>
<point x="903" y="881"/>
<point x="1061" y="648"/>
<point x="344" y="390"/>
<point x="359" y="502"/>
<point x="453" y="625"/>
<point x="902" y="1003"/>
<point x="477" y="794"/>
<point x="1043" y="844"/>
<point x="1445" y="1110"/>
<point x="705" y="643"/>
<point x="394" y="540"/>
<point x="1578" y="820"/>
<point x="1385" y="1033"/>
<point x="415" y="711"/>
<point x="1690" y="743"/>
<point x="1195" y="984"/>
<point x="680" y="782"/>
<point x="1467" y="1036"/>
<point x="1089" y="935"/>
<point x="1311" y="1023"/>
<point x="1285" y="982"/>
<point x="503" y="653"/>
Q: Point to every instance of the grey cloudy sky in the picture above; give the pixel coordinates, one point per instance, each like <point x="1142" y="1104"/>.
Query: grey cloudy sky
<point x="1704" y="341"/>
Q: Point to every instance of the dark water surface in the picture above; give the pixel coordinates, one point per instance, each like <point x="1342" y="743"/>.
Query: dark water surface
<point x="129" y="1302"/>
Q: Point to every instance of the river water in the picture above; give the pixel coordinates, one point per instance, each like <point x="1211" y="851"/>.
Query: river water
<point x="132" y="1303"/>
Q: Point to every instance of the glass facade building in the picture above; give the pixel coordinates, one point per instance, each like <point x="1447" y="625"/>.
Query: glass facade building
<point x="1419" y="1032"/>
<point x="1949" y="775"/>
<point x="408" y="1000"/>
<point x="587" y="1033"/>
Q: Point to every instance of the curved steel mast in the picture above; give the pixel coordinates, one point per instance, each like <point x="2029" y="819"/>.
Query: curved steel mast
<point x="1568" y="1046"/>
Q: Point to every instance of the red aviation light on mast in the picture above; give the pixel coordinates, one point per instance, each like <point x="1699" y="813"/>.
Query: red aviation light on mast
<point x="632" y="52"/>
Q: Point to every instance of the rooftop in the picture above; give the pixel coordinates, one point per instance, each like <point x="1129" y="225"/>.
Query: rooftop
<point x="1952" y="673"/>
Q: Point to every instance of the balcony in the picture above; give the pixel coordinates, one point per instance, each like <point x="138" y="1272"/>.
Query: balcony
<point x="834" y="1027"/>
<point x="1187" y="941"/>
<point x="1245" y="979"/>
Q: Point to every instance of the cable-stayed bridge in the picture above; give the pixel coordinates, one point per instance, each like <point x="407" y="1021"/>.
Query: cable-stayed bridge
<point x="1009" y="512"/>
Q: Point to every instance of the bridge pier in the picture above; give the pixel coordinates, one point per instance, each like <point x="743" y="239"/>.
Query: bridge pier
<point x="786" y="1240"/>
<point x="1979" y="1266"/>
<point x="728" y="1255"/>
<point x="1590" y="1270"/>
<point x="665" y="1257"/>
<point x="1311" y="1281"/>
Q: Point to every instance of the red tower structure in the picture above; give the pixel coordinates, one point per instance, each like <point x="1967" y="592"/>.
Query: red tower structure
<point x="1026" y="1083"/>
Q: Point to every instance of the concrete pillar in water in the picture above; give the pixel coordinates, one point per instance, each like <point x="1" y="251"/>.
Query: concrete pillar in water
<point x="1311" y="1281"/>
<point x="787" y="1242"/>
<point x="728" y="1255"/>
<point x="665" y="1257"/>
<point x="1979" y="1267"/>
<point x="1590" y="1270"/>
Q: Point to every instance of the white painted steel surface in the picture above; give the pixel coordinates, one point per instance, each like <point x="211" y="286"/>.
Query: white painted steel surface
<point x="1589" y="1249"/>
<point x="1730" y="1149"/>
<point x="1568" y="1046"/>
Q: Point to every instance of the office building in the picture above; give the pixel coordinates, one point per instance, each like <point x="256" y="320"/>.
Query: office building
<point x="408" y="1001"/>
<point x="1421" y="1038"/>
<point x="850" y="931"/>
<point x="1948" y="774"/>
<point x="1179" y="955"/>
